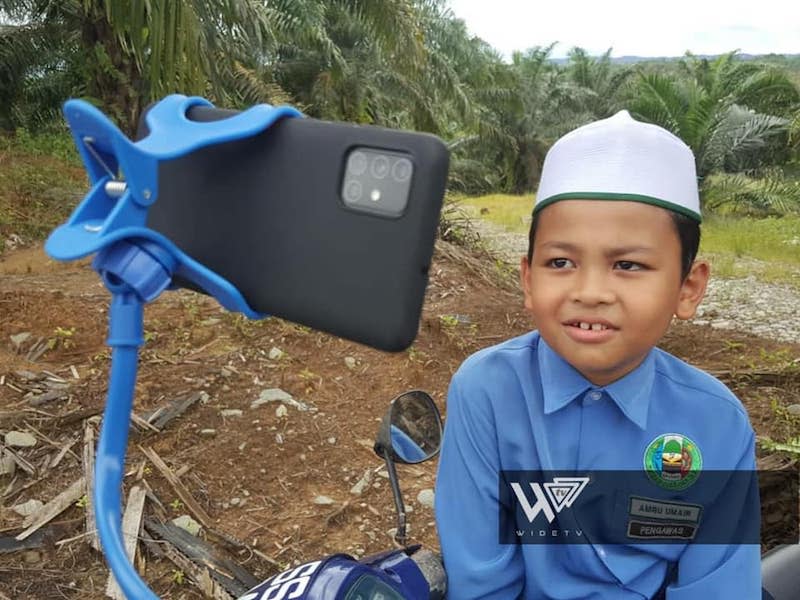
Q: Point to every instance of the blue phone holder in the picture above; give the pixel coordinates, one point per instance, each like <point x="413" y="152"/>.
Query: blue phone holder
<point x="136" y="265"/>
<point x="115" y="211"/>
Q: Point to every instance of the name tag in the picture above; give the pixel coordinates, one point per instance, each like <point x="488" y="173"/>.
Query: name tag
<point x="661" y="531"/>
<point x="669" y="511"/>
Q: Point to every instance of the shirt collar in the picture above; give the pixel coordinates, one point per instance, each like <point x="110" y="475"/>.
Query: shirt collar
<point x="562" y="383"/>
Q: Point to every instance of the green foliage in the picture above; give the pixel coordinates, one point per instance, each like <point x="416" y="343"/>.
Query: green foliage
<point x="37" y="191"/>
<point x="791" y="446"/>
<point x="400" y="63"/>
<point x="738" y="194"/>
<point x="510" y="212"/>
<point x="732" y="114"/>
<point x="55" y="143"/>
<point x="769" y="239"/>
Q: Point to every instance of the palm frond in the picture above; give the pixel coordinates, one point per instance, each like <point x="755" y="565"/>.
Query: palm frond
<point x="741" y="138"/>
<point x="255" y="88"/>
<point x="660" y="101"/>
<point x="768" y="90"/>
<point x="739" y="194"/>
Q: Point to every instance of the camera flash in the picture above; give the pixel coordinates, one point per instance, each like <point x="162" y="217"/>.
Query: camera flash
<point x="375" y="195"/>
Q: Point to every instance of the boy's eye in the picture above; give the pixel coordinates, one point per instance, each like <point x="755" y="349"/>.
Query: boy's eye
<point x="627" y="265"/>
<point x="560" y="263"/>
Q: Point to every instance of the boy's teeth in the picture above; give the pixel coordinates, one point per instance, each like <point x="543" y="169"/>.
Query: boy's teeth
<point x="593" y="326"/>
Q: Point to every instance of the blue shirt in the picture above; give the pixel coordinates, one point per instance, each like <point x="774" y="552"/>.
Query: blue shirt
<point x="520" y="406"/>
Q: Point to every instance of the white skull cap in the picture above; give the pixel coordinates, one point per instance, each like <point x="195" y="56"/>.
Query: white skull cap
<point x="620" y="158"/>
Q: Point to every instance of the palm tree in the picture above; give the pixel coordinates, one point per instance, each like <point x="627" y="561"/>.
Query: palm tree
<point x="38" y="63"/>
<point x="733" y="115"/>
<point x="123" y="54"/>
<point x="716" y="108"/>
<point x="547" y="103"/>
<point x="601" y="81"/>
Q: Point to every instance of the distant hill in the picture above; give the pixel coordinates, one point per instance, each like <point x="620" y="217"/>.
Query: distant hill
<point x="627" y="60"/>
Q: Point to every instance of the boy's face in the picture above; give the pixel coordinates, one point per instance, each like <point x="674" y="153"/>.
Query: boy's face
<point x="616" y="267"/>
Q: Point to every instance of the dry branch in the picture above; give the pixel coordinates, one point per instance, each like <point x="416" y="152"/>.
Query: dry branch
<point x="131" y="524"/>
<point x="184" y="494"/>
<point x="53" y="508"/>
<point x="235" y="579"/>
<point x="164" y="414"/>
<point x="88" y="475"/>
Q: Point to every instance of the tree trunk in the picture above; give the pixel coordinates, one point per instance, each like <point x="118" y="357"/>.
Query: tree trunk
<point x="111" y="71"/>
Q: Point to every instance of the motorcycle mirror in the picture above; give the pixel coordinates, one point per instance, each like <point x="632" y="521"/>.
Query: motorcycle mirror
<point x="411" y="429"/>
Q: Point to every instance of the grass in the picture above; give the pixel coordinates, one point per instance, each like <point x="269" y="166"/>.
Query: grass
<point x="511" y="212"/>
<point x="41" y="181"/>
<point x="736" y="247"/>
<point x="769" y="239"/>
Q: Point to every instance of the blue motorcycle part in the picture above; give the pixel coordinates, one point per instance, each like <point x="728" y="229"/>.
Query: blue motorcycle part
<point x="391" y="575"/>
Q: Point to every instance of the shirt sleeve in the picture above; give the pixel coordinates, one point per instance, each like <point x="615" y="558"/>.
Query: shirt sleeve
<point x="727" y="570"/>
<point x="467" y="503"/>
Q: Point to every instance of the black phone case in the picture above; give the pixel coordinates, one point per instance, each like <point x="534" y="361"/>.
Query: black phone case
<point x="266" y="214"/>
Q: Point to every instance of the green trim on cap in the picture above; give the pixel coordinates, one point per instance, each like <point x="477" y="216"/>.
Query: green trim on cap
<point x="623" y="197"/>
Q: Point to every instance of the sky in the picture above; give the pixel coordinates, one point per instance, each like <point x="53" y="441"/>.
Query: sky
<point x="638" y="28"/>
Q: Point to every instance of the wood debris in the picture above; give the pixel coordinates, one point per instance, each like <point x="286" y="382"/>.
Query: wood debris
<point x="11" y="544"/>
<point x="67" y="447"/>
<point x="53" y="508"/>
<point x="233" y="578"/>
<point x="160" y="417"/>
<point x="200" y="576"/>
<point x="131" y="525"/>
<point x="184" y="494"/>
<point x="88" y="475"/>
<point x="21" y="462"/>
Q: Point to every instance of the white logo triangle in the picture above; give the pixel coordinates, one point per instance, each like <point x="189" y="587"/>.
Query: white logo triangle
<point x="563" y="491"/>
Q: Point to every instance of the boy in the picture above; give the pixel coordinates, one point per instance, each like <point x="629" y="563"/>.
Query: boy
<point x="611" y="260"/>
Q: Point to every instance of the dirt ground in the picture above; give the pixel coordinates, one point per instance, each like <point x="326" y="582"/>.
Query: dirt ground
<point x="257" y="475"/>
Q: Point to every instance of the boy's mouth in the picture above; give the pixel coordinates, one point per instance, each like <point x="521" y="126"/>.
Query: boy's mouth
<point x="593" y="325"/>
<point x="589" y="330"/>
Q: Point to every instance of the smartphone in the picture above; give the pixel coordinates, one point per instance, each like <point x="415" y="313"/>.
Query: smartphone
<point x="330" y="225"/>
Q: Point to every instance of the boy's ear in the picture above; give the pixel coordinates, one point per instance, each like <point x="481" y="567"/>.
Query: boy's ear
<point x="693" y="289"/>
<point x="525" y="280"/>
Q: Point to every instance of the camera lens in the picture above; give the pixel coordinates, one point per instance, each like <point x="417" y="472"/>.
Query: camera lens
<point x="401" y="170"/>
<point x="357" y="163"/>
<point x="353" y="191"/>
<point x="380" y="167"/>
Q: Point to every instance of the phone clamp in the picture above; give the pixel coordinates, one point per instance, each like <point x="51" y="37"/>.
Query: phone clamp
<point x="116" y="209"/>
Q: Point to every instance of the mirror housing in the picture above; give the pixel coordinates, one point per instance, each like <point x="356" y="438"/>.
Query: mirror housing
<point x="411" y="429"/>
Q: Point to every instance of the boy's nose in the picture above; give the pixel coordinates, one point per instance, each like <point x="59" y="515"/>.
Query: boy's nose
<point x="592" y="288"/>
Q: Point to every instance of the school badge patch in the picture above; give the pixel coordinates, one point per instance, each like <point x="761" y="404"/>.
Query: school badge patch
<point x="673" y="461"/>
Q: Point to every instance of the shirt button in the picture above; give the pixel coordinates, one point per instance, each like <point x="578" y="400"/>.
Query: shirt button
<point x="594" y="396"/>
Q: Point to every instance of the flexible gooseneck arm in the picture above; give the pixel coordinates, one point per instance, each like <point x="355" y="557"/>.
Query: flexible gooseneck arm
<point x="126" y="337"/>
<point x="135" y="272"/>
